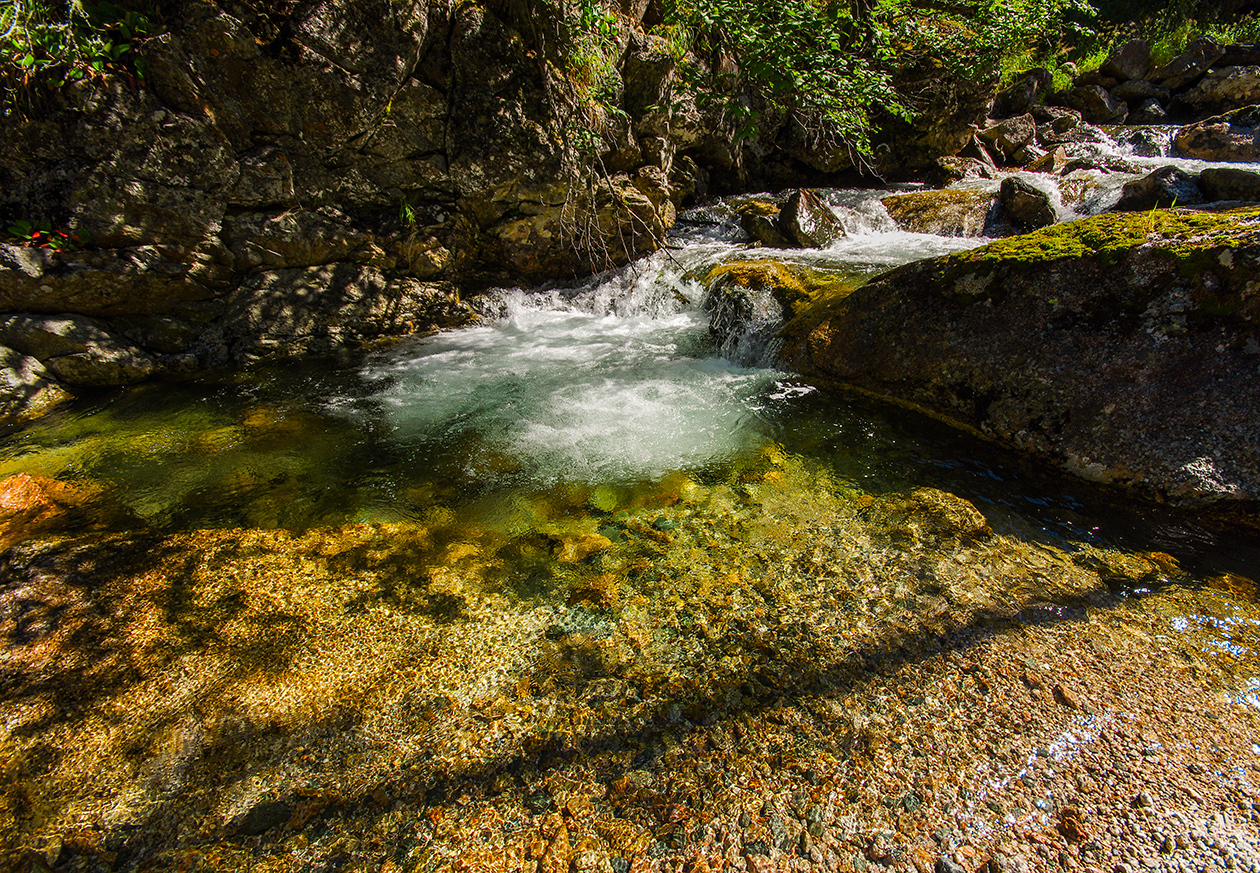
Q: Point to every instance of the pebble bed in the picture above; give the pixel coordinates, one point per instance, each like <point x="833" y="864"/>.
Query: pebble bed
<point x="773" y="672"/>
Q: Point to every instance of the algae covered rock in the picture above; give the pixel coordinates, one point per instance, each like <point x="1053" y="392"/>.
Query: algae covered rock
<point x="947" y="211"/>
<point x="1123" y="348"/>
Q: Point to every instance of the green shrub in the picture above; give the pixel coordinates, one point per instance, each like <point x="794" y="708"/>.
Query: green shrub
<point x="49" y="44"/>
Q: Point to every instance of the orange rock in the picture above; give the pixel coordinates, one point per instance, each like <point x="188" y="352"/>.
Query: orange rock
<point x="35" y="504"/>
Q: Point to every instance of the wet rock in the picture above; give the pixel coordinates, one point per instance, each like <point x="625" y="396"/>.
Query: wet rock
<point x="1224" y="89"/>
<point x="1196" y="60"/>
<point x="808" y="221"/>
<point x="1131" y="60"/>
<point x="1010" y="135"/>
<point x="577" y="548"/>
<point x="947" y="211"/>
<point x="262" y="817"/>
<point x="1025" y="204"/>
<point x="32" y="505"/>
<point x="1159" y="189"/>
<point x="1230" y="183"/>
<point x="1029" y="154"/>
<point x="1021" y="94"/>
<point x="976" y="150"/>
<point x="78" y="350"/>
<point x="760" y="220"/>
<point x="1234" y="136"/>
<point x="747" y="302"/>
<point x="1072" y="343"/>
<point x="958" y="169"/>
<point x="1150" y="111"/>
<point x="27" y="389"/>
<point x="1051" y="162"/>
<point x="1072" y="134"/>
<point x="1148" y="142"/>
<point x="1064" y="697"/>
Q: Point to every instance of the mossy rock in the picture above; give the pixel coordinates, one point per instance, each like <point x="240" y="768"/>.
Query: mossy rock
<point x="792" y="285"/>
<point x="1123" y="348"/>
<point x="946" y="211"/>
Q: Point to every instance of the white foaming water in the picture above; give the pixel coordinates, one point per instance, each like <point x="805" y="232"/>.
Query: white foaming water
<point x="612" y="381"/>
<point x="615" y="379"/>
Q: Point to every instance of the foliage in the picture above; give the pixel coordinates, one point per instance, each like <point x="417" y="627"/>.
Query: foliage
<point x="824" y="66"/>
<point x="1168" y="27"/>
<point x="1010" y="36"/>
<point x="41" y="234"/>
<point x="50" y="44"/>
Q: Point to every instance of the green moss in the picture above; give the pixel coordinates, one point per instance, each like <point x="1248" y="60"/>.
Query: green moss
<point x="791" y="284"/>
<point x="1107" y="236"/>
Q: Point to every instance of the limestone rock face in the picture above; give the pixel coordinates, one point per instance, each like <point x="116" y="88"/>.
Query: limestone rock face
<point x="320" y="309"/>
<point x="1092" y="344"/>
<point x="78" y="350"/>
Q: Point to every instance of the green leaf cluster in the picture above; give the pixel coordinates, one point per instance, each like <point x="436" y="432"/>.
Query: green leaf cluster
<point x="822" y="63"/>
<point x="50" y="44"/>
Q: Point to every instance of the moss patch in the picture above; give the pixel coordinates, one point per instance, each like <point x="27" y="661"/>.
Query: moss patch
<point x="1115" y="233"/>
<point x="791" y="285"/>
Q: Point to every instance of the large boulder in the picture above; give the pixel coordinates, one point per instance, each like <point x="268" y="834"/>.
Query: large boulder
<point x="27" y="389"/>
<point x="1130" y="60"/>
<point x="1234" y="136"/>
<point x="1230" y="183"/>
<point x="1121" y="347"/>
<point x="1096" y="104"/>
<point x="809" y="222"/>
<point x="78" y="350"/>
<point x="1224" y="89"/>
<point x="1009" y="135"/>
<point x="964" y="211"/>
<point x="1184" y="69"/>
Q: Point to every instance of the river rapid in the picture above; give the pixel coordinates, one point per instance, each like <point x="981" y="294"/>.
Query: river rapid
<point x="586" y="569"/>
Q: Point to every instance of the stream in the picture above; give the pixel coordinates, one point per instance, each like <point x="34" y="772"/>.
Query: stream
<point x="497" y="567"/>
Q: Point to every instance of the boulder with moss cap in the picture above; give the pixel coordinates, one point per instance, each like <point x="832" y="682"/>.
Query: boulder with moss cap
<point x="1123" y="348"/>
